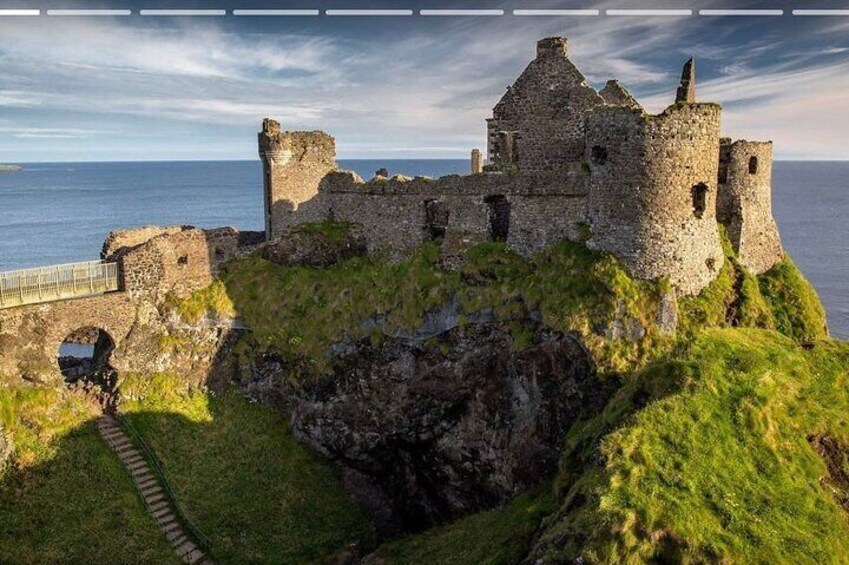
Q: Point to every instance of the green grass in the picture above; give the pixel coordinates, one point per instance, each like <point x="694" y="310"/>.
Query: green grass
<point x="499" y="536"/>
<point x="706" y="458"/>
<point x="298" y="312"/>
<point x="65" y="497"/>
<point x="794" y="303"/>
<point x="242" y="478"/>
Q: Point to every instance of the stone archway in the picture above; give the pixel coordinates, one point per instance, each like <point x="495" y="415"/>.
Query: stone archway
<point x="84" y="359"/>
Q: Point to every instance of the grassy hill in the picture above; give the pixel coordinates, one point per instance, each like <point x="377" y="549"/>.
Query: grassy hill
<point x="726" y="441"/>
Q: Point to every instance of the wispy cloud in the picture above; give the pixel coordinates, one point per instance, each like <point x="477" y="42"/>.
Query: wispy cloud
<point x="136" y="87"/>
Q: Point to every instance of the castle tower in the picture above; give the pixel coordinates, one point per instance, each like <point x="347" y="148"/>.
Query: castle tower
<point x="653" y="187"/>
<point x="539" y="122"/>
<point x="294" y="163"/>
<point x="744" y="205"/>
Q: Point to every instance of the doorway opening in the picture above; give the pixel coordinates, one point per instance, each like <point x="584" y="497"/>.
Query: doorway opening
<point x="499" y="217"/>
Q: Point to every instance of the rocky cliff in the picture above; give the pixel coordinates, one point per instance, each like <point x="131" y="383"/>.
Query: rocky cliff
<point x="428" y="431"/>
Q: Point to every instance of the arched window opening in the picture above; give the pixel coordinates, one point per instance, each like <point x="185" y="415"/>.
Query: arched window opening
<point x="753" y="165"/>
<point x="699" y="195"/>
<point x="84" y="357"/>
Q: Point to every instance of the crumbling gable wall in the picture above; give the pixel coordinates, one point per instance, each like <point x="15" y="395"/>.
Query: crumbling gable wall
<point x="744" y="205"/>
<point x="539" y="122"/>
<point x="615" y="94"/>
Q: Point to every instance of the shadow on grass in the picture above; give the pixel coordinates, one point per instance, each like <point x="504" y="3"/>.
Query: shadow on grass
<point x="243" y="479"/>
<point x="78" y="506"/>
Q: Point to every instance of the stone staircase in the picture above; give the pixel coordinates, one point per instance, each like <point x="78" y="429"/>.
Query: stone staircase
<point x="159" y="504"/>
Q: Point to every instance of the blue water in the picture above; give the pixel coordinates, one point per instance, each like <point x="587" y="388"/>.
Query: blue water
<point x="57" y="213"/>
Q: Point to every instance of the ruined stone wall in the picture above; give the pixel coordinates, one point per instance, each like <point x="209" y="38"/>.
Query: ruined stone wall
<point x="539" y="122"/>
<point x="543" y="208"/>
<point x="294" y="163"/>
<point x="744" y="205"/>
<point x="174" y="259"/>
<point x="653" y="191"/>
<point x="124" y="239"/>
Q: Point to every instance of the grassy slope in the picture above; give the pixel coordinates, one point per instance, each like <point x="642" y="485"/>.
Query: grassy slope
<point x="243" y="479"/>
<point x="499" y="536"/>
<point x="66" y="498"/>
<point x="717" y="465"/>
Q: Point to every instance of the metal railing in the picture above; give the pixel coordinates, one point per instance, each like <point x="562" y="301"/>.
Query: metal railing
<point x="200" y="538"/>
<point x="58" y="282"/>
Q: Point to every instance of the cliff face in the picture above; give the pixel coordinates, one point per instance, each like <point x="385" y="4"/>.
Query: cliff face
<point x="430" y="431"/>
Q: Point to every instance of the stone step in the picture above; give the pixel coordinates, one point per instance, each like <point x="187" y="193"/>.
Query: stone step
<point x="194" y="557"/>
<point x="134" y="464"/>
<point x="163" y="514"/>
<point x="156" y="497"/>
<point x="161" y="505"/>
<point x="132" y="461"/>
<point x="186" y="548"/>
<point x="171" y="527"/>
<point x="176" y="539"/>
<point x="139" y="470"/>
<point x="146" y="479"/>
<point x="151" y="490"/>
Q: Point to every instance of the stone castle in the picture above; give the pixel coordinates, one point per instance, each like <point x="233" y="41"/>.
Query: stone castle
<point x="565" y="161"/>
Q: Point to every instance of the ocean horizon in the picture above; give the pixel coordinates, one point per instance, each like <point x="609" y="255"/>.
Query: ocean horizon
<point x="60" y="212"/>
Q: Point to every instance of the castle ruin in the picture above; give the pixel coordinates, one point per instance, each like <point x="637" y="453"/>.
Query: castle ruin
<point x="565" y="161"/>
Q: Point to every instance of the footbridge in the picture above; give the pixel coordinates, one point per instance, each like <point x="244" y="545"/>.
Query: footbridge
<point x="57" y="282"/>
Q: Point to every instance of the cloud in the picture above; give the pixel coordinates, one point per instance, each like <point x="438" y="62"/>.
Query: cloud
<point x="413" y="85"/>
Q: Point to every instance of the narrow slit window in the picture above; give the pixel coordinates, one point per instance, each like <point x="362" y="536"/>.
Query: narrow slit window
<point x="699" y="194"/>
<point x="753" y="165"/>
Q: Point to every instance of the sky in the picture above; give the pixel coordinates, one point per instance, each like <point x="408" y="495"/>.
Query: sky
<point x="197" y="88"/>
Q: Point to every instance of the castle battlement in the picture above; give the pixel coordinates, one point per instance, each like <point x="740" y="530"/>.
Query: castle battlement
<point x="565" y="161"/>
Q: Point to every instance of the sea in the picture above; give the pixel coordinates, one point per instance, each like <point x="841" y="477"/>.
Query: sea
<point x="53" y="213"/>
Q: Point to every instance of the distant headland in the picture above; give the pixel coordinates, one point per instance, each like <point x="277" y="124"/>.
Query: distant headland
<point x="10" y="168"/>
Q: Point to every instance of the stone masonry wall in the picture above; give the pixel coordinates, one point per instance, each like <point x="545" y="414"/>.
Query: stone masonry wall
<point x="744" y="205"/>
<point x="147" y="340"/>
<point x="174" y="259"/>
<point x="542" y="114"/>
<point x="543" y="208"/>
<point x="652" y="197"/>
<point x="294" y="163"/>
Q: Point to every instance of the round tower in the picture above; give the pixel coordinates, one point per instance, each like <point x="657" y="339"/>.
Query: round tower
<point x="744" y="205"/>
<point x="653" y="188"/>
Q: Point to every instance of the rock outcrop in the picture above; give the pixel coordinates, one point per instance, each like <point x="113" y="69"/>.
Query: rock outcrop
<point x="427" y="431"/>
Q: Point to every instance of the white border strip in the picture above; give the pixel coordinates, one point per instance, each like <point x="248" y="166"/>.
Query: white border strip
<point x="89" y="12"/>
<point x="183" y="12"/>
<point x="821" y="12"/>
<point x="461" y="12"/>
<point x="17" y="13"/>
<point x="276" y="12"/>
<point x="368" y="12"/>
<point x="741" y="12"/>
<point x="556" y="12"/>
<point x="649" y="12"/>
